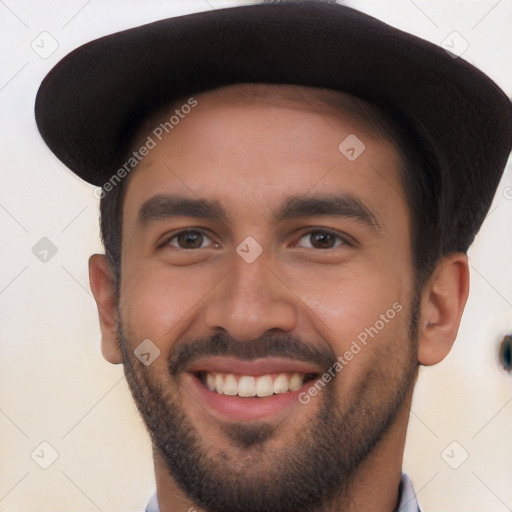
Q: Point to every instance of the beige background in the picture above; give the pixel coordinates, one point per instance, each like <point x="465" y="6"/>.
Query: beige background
<point x="55" y="386"/>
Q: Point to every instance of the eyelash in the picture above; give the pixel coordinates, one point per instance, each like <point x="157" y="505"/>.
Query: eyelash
<point x="344" y="240"/>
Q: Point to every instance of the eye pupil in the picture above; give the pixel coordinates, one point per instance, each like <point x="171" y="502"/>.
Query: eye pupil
<point x="190" y="240"/>
<point x="322" y="240"/>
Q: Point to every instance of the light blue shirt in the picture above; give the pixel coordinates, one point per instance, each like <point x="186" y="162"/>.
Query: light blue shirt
<point x="408" y="502"/>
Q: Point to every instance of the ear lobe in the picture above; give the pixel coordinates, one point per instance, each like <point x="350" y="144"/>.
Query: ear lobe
<point x="442" y="302"/>
<point x="101" y="279"/>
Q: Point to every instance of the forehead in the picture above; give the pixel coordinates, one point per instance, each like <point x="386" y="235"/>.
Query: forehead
<point x="253" y="145"/>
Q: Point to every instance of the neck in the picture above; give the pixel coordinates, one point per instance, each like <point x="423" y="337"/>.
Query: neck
<point x="374" y="486"/>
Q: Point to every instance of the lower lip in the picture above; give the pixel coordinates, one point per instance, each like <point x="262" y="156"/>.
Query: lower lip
<point x="236" y="408"/>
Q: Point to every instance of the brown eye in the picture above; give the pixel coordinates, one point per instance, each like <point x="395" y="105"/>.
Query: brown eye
<point x="322" y="240"/>
<point x="188" y="240"/>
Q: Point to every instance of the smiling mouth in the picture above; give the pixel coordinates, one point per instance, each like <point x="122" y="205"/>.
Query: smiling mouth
<point x="236" y="389"/>
<point x="250" y="386"/>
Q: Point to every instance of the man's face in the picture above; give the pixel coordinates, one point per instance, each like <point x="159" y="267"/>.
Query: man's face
<point x="333" y="284"/>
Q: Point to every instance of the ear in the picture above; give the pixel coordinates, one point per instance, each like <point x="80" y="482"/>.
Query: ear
<point x="443" y="300"/>
<point x="101" y="279"/>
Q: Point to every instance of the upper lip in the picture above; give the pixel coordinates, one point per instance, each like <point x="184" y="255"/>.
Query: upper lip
<point x="263" y="366"/>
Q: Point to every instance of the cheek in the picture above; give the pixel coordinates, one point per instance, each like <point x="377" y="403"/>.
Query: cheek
<point x="157" y="302"/>
<point x="366" y="326"/>
<point x="361" y="305"/>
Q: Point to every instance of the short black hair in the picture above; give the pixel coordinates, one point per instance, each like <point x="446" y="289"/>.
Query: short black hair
<point x="420" y="172"/>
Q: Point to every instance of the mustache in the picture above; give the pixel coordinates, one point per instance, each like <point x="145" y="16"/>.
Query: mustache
<point x="268" y="345"/>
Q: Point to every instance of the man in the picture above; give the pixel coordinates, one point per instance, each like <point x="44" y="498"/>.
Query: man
<point x="286" y="207"/>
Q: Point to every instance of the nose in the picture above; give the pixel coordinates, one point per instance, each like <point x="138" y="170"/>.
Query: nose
<point x="250" y="300"/>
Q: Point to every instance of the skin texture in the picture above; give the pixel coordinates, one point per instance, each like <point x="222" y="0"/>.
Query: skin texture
<point x="295" y="299"/>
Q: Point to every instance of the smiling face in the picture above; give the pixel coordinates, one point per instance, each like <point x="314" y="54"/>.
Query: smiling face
<point x="275" y="277"/>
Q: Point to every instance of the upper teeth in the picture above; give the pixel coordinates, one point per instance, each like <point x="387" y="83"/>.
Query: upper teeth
<point x="247" y="385"/>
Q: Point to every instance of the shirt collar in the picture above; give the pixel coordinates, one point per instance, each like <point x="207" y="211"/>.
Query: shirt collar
<point x="153" y="504"/>
<point x="408" y="501"/>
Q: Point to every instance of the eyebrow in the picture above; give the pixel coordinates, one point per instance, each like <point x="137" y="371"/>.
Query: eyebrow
<point x="166" y="206"/>
<point x="346" y="205"/>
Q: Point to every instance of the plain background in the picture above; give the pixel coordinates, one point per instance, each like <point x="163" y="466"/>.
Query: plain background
<point x="56" y="388"/>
